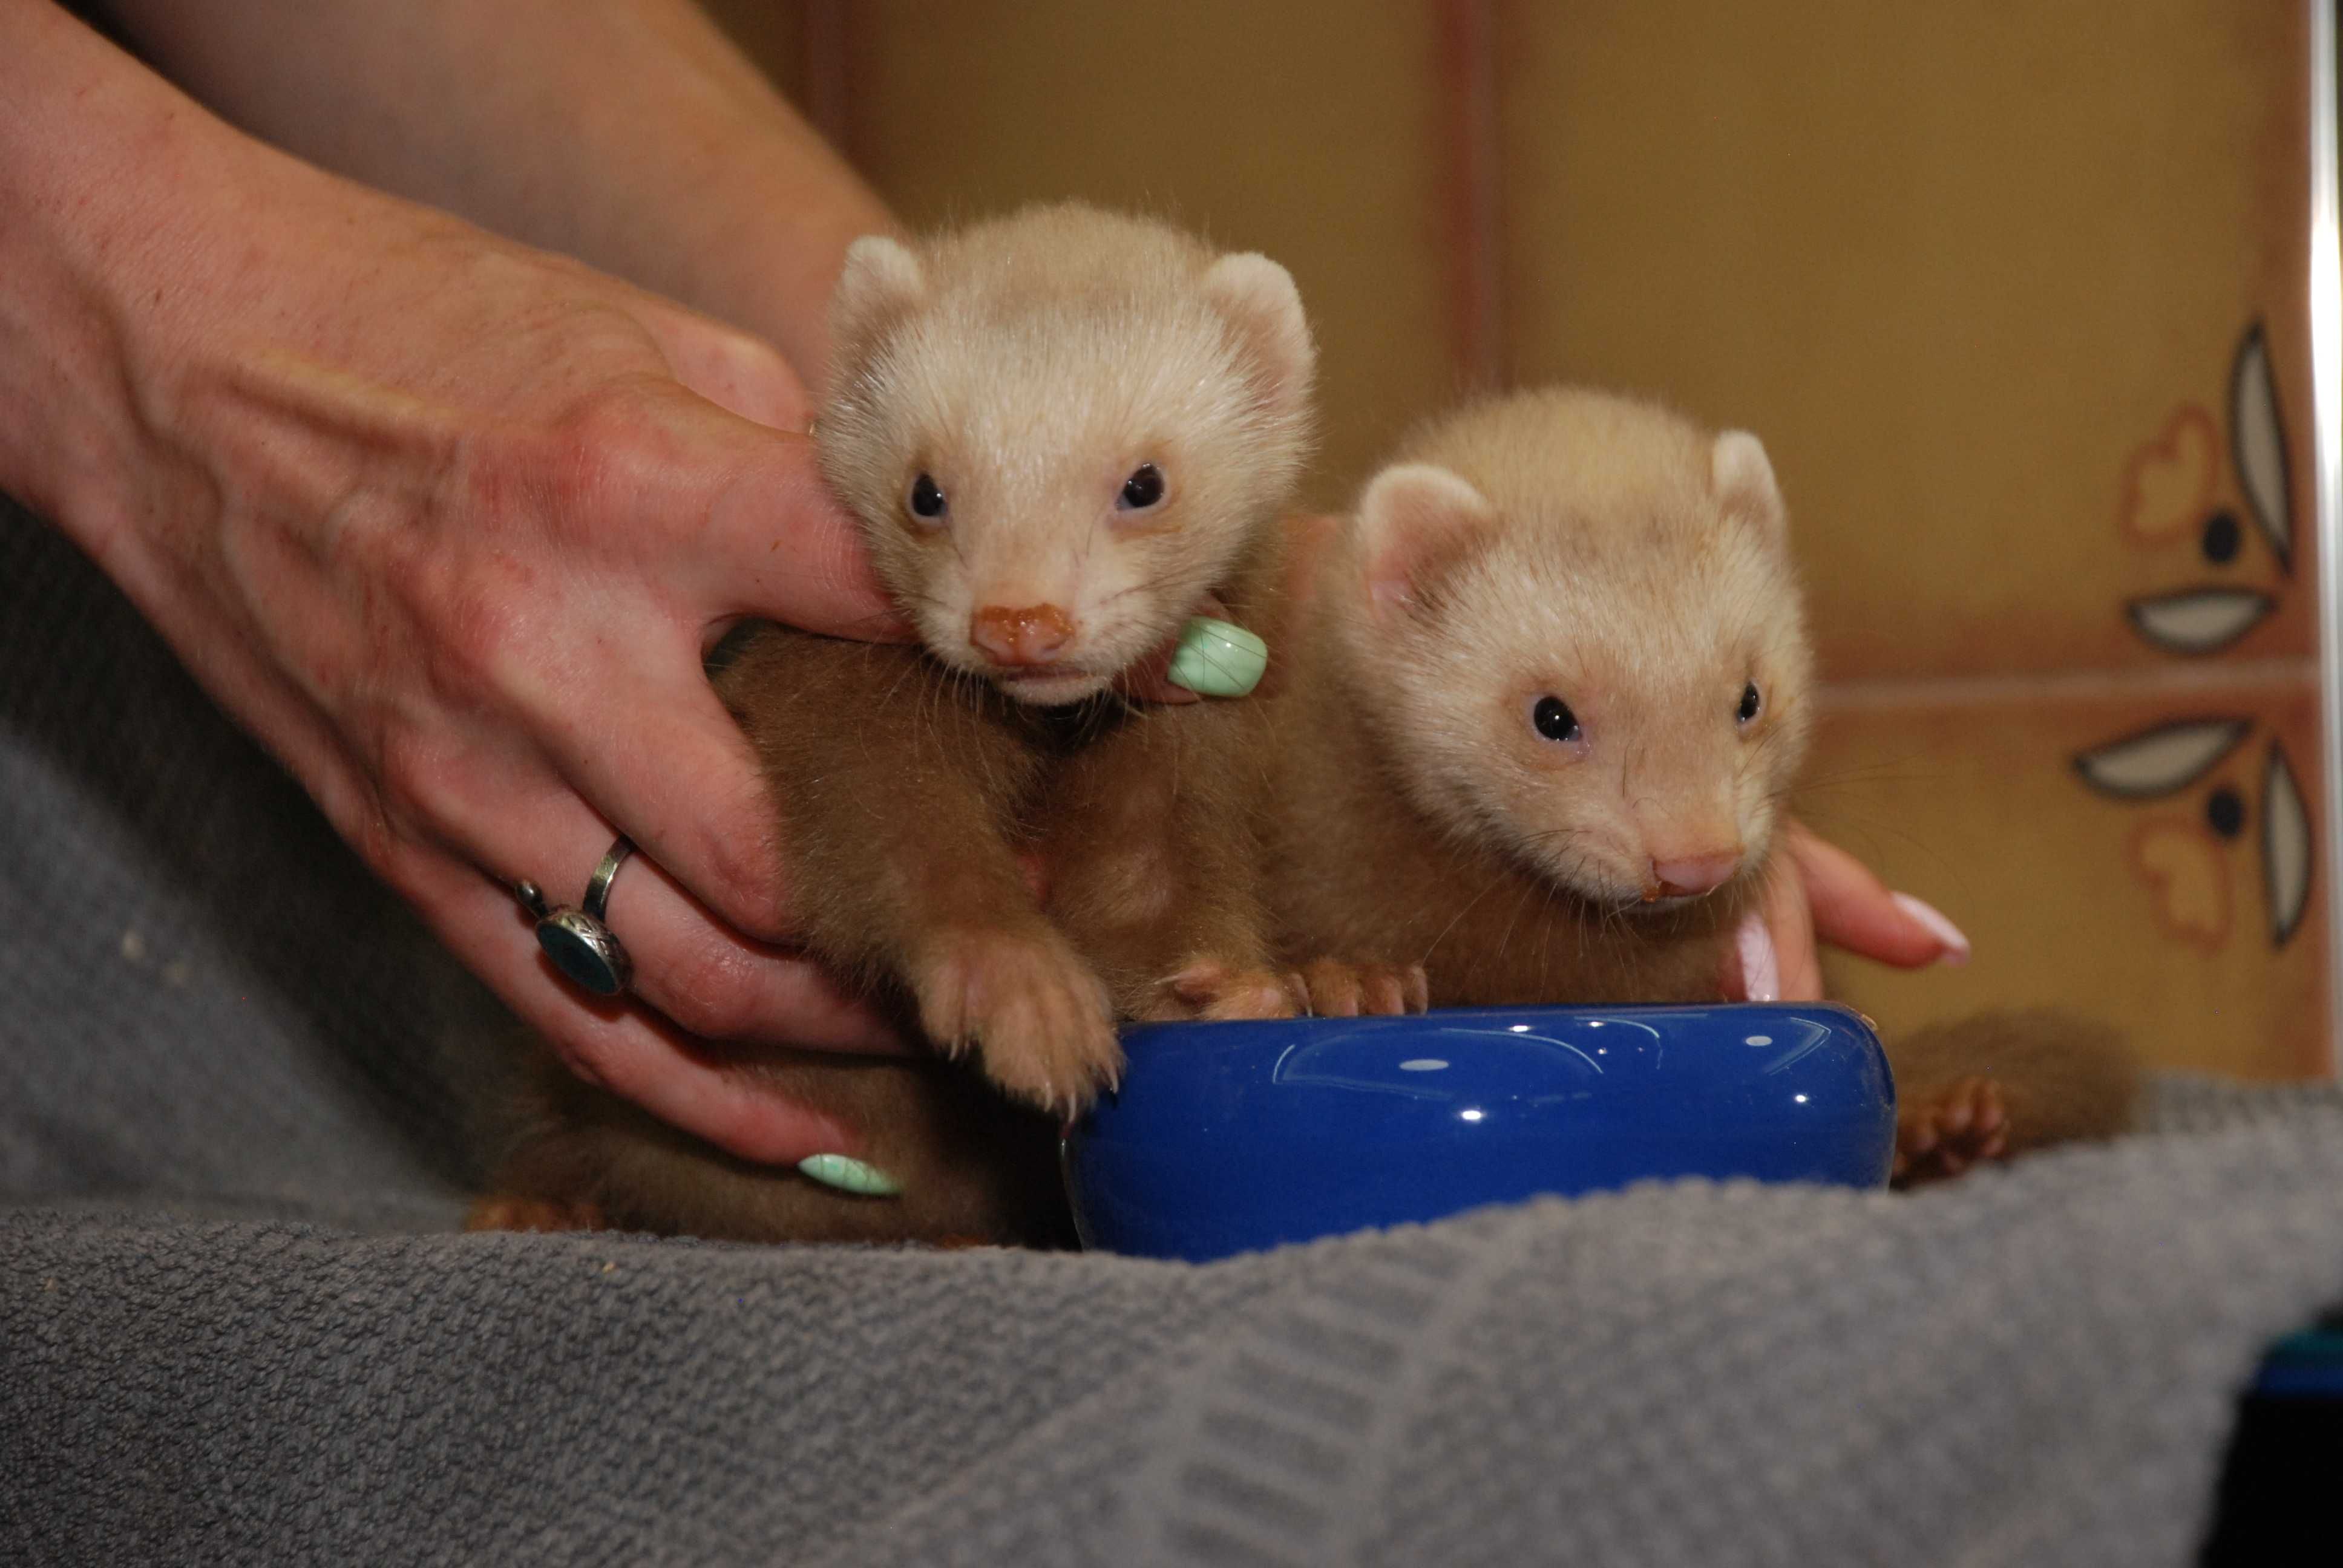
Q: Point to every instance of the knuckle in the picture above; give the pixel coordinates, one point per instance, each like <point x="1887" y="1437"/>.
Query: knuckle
<point x="484" y="633"/>
<point x="751" y="361"/>
<point x="467" y="616"/>
<point x="708" y="991"/>
<point x="608" y="451"/>
<point x="382" y="847"/>
<point x="744" y="885"/>
<point x="586" y="1064"/>
<point x="580" y="460"/>
<point x="404" y="861"/>
<point x="408" y="770"/>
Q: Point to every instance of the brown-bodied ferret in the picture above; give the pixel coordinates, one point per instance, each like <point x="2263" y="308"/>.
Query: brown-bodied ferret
<point x="1059" y="430"/>
<point x="1547" y="697"/>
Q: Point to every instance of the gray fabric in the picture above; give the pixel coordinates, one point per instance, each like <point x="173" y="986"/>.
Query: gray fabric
<point x="209" y="995"/>
<point x="234" y="1326"/>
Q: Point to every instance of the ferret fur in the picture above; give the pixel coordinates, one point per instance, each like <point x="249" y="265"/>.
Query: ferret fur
<point x="1028" y="366"/>
<point x="1612" y="554"/>
<point x="1566" y="544"/>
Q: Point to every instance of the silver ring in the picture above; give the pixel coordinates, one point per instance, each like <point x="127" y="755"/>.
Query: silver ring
<point x="576" y="938"/>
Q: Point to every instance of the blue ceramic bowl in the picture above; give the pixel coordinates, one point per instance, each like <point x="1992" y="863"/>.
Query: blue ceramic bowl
<point x="1232" y="1137"/>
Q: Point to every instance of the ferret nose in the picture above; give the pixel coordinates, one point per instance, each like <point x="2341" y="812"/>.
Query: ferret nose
<point x="1693" y="874"/>
<point x="1021" y="637"/>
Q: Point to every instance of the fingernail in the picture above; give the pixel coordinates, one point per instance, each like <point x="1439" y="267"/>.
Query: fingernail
<point x="1218" y="659"/>
<point x="1761" y="973"/>
<point x="1956" y="946"/>
<point x="849" y="1174"/>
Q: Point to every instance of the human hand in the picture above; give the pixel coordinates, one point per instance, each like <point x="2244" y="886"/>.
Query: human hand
<point x="1815" y="892"/>
<point x="449" y="524"/>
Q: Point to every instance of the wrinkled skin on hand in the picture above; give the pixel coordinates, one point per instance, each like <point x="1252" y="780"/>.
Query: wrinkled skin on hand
<point x="449" y="524"/>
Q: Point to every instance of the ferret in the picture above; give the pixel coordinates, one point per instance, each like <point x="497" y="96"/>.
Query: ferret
<point x="1059" y="431"/>
<point x="1546" y="700"/>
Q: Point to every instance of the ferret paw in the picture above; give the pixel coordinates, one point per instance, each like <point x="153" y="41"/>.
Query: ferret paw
<point x="1032" y="1009"/>
<point x="497" y="1211"/>
<point x="1337" y="989"/>
<point x="1207" y="989"/>
<point x="1943" y="1133"/>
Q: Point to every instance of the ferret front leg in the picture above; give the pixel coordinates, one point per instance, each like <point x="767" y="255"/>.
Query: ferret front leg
<point x="896" y="785"/>
<point x="1153" y="868"/>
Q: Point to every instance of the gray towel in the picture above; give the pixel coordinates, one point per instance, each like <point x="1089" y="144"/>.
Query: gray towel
<point x="234" y="1326"/>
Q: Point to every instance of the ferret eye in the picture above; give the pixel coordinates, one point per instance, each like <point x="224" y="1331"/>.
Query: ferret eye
<point x="927" y="498"/>
<point x="1142" y="489"/>
<point x="1554" y="718"/>
<point x="1751" y="703"/>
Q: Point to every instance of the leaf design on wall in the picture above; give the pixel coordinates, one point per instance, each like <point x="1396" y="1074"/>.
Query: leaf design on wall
<point x="2167" y="486"/>
<point x="2163" y="760"/>
<point x="2198" y="620"/>
<point x="2286" y="846"/>
<point x="2258" y="444"/>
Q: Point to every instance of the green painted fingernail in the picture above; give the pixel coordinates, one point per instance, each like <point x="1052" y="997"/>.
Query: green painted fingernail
<point x="1218" y="659"/>
<point x="849" y="1174"/>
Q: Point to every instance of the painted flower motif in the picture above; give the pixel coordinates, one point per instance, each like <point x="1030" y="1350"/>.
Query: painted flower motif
<point x="2167" y="486"/>
<point x="2169" y="489"/>
<point x="2183" y="860"/>
<point x="2182" y="863"/>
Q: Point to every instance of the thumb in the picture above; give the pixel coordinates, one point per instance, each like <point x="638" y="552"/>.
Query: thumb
<point x="778" y="542"/>
<point x="788" y="551"/>
<point x="768" y="539"/>
<point x="736" y="372"/>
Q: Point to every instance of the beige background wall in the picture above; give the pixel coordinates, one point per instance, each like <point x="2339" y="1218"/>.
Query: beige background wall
<point x="1981" y="276"/>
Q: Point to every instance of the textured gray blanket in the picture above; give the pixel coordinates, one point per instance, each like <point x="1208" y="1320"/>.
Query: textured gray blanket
<point x="234" y="1326"/>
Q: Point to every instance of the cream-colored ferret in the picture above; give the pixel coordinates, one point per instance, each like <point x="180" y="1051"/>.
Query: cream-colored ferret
<point x="1548" y="696"/>
<point x="1059" y="430"/>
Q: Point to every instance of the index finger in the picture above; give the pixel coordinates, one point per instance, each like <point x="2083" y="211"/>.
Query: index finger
<point x="1856" y="910"/>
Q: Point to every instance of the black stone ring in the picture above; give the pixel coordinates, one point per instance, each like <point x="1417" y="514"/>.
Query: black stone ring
<point x="576" y="938"/>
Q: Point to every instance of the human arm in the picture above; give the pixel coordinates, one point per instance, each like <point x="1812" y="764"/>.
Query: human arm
<point x="629" y="134"/>
<point x="448" y="523"/>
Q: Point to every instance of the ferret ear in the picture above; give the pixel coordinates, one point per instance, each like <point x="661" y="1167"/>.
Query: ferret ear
<point x="882" y="279"/>
<point x="1259" y="297"/>
<point x="1414" y="520"/>
<point x="1742" y="477"/>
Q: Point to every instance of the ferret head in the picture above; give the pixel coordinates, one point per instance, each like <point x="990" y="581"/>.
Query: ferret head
<point x="1577" y="640"/>
<point x="1060" y="430"/>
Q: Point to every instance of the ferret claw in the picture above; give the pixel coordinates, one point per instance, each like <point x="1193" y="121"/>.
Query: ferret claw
<point x="1940" y="1133"/>
<point x="1038" y="1017"/>
<point x="1339" y="989"/>
<point x="500" y="1211"/>
<point x="1207" y="987"/>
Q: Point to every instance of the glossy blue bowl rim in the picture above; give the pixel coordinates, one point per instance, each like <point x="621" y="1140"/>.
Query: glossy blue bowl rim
<point x="1855" y="1087"/>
